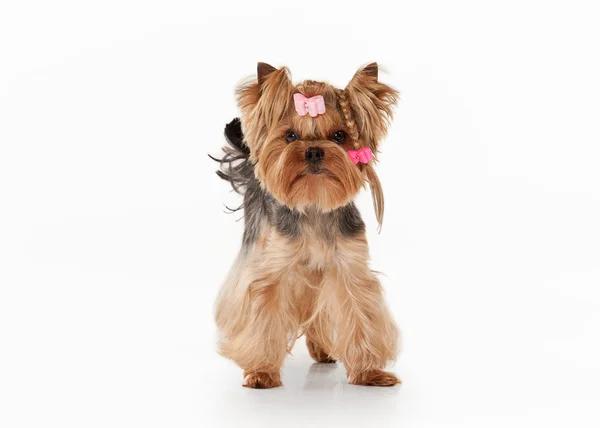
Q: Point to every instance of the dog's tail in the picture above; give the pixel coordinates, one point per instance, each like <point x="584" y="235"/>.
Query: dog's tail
<point x="235" y="165"/>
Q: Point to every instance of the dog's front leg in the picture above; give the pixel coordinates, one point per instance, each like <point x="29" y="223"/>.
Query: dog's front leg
<point x="261" y="347"/>
<point x="367" y="335"/>
<point x="257" y="319"/>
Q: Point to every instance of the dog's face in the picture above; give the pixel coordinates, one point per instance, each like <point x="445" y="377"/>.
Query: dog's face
<point x="302" y="160"/>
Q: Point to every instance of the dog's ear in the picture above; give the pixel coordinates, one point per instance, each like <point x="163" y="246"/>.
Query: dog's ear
<point x="369" y="71"/>
<point x="263" y="70"/>
<point x="264" y="102"/>
<point x="372" y="103"/>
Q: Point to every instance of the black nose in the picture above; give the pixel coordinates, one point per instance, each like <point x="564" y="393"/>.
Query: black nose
<point x="314" y="154"/>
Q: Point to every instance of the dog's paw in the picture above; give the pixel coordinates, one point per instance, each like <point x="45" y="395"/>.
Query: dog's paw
<point x="375" y="378"/>
<point x="261" y="380"/>
<point x="317" y="353"/>
<point x="325" y="360"/>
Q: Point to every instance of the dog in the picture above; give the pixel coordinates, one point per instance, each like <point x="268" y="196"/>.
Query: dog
<point x="299" y="155"/>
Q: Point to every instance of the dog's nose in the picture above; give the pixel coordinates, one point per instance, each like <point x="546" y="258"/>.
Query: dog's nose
<point x="314" y="154"/>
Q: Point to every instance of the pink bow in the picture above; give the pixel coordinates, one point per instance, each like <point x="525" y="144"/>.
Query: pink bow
<point x="313" y="105"/>
<point x="363" y="155"/>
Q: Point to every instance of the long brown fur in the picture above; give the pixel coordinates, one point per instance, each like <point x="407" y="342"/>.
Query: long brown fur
<point x="314" y="280"/>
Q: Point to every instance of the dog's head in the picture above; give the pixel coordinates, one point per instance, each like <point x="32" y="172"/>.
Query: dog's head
<point x="306" y="139"/>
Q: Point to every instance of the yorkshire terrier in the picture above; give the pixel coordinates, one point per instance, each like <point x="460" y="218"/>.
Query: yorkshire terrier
<point x="299" y="155"/>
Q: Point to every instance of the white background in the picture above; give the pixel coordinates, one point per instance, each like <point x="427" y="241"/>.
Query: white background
<point x="113" y="240"/>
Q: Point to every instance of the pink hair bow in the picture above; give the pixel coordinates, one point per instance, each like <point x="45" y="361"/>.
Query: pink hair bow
<point x="363" y="155"/>
<point x="313" y="105"/>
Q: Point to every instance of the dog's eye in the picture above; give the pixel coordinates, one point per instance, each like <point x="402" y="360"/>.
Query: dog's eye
<point x="339" y="137"/>
<point x="291" y="136"/>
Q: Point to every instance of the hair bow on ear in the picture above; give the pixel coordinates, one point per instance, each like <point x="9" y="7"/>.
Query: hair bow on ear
<point x="363" y="155"/>
<point x="313" y="105"/>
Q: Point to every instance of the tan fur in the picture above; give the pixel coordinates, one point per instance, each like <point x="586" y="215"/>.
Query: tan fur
<point x="282" y="287"/>
<point x="324" y="289"/>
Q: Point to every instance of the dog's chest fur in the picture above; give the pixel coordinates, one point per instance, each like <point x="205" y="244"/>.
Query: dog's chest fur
<point x="311" y="239"/>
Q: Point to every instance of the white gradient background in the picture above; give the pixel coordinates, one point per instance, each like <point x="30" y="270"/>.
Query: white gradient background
<point x="113" y="240"/>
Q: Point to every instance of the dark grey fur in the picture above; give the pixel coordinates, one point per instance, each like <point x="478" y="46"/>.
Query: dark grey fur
<point x="286" y="220"/>
<point x="349" y="220"/>
<point x="259" y="205"/>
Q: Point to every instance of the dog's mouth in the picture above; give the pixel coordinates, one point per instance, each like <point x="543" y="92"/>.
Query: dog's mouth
<point x="312" y="171"/>
<point x="308" y="172"/>
<point x="316" y="170"/>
